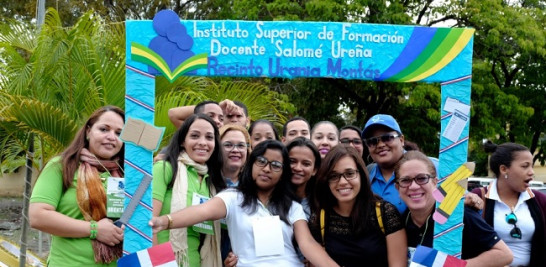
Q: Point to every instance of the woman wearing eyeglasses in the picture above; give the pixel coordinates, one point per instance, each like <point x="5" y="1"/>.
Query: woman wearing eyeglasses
<point x="261" y="215"/>
<point x="347" y="211"/>
<point x="416" y="180"/>
<point x="189" y="175"/>
<point x="350" y="135"/>
<point x="517" y="213"/>
<point x="235" y="142"/>
<point x="385" y="142"/>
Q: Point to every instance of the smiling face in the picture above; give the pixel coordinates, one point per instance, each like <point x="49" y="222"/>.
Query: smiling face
<point x="345" y="191"/>
<point x="302" y="163"/>
<point x="386" y="153"/>
<point x="325" y="137"/>
<point x="199" y="142"/>
<point x="265" y="177"/>
<point x="103" y="136"/>
<point x="235" y="158"/>
<point x="520" y="172"/>
<point x="260" y="133"/>
<point x="417" y="197"/>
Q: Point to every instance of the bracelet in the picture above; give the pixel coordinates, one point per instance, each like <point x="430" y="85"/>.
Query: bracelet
<point x="94" y="230"/>
<point x="170" y="224"/>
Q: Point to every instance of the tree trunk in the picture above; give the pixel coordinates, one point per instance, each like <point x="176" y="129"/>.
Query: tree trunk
<point x="26" y="198"/>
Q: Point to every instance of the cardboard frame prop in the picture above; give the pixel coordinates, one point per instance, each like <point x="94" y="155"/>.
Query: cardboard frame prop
<point x="172" y="47"/>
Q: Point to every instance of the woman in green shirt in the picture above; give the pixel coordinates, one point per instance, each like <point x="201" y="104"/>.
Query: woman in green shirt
<point x="190" y="175"/>
<point x="69" y="199"/>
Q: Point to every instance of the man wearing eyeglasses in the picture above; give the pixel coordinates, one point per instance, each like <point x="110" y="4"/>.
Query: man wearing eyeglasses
<point x="385" y="142"/>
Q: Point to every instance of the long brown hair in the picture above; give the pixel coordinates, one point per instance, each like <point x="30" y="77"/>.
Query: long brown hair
<point x="71" y="155"/>
<point x="324" y="199"/>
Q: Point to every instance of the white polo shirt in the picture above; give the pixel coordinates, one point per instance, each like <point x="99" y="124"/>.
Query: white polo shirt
<point x="521" y="248"/>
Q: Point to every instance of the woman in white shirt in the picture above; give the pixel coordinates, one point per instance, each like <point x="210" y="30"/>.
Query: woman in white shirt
<point x="261" y="214"/>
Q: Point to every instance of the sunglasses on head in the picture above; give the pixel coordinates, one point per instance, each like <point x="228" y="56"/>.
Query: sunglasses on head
<point x="512" y="219"/>
<point x="385" y="138"/>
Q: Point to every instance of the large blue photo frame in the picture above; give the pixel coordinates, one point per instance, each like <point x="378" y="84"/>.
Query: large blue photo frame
<point x="172" y="47"/>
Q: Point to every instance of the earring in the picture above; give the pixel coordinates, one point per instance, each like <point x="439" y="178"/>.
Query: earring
<point x="505" y="176"/>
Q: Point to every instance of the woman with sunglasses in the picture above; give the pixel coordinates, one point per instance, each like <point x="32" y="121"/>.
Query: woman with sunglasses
<point x="517" y="213"/>
<point x="385" y="143"/>
<point x="416" y="180"/>
<point x="261" y="215"/>
<point x="345" y="215"/>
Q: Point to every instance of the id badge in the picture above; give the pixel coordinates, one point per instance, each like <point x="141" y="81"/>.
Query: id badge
<point x="115" y="186"/>
<point x="268" y="238"/>
<point x="205" y="227"/>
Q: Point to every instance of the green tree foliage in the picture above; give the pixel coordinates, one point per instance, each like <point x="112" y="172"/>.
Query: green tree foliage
<point x="509" y="88"/>
<point x="52" y="80"/>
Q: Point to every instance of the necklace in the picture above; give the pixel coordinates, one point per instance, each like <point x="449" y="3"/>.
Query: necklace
<point x="426" y="227"/>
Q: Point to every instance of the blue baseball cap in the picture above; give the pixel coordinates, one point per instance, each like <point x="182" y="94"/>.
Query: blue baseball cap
<point x="380" y="119"/>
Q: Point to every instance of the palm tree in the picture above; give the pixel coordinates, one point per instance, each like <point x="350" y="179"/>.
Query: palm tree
<point x="52" y="80"/>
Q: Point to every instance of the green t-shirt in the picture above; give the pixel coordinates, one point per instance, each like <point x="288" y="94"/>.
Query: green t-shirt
<point x="162" y="172"/>
<point x="48" y="189"/>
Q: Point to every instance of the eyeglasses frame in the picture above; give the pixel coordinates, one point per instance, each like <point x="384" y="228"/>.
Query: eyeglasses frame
<point x="339" y="175"/>
<point x="391" y="137"/>
<point x="268" y="163"/>
<point x="414" y="179"/>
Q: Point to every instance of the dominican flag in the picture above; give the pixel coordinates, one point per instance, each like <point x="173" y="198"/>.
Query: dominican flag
<point x="156" y="256"/>
<point x="429" y="257"/>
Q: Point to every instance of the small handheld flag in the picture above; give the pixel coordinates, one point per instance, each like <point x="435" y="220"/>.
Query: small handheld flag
<point x="429" y="257"/>
<point x="156" y="256"/>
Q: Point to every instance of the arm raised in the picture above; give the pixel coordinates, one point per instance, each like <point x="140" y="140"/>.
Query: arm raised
<point x="179" y="114"/>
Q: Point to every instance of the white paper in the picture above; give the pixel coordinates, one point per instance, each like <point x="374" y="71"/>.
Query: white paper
<point x="268" y="238"/>
<point x="455" y="126"/>
<point x="453" y="104"/>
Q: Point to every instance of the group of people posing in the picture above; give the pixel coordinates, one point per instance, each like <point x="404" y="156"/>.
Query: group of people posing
<point x="225" y="195"/>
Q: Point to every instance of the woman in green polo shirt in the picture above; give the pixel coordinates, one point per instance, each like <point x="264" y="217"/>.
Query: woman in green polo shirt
<point x="190" y="175"/>
<point x="69" y="199"/>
